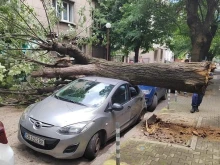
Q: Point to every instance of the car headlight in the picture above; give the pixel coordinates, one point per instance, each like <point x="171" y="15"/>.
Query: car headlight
<point x="75" y="128"/>
<point x="26" y="111"/>
<point x="146" y="92"/>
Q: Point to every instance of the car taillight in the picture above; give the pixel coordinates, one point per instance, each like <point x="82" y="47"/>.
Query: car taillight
<point x="3" y="138"/>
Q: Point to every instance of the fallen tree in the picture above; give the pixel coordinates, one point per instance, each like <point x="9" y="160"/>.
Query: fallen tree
<point x="41" y="41"/>
<point x="190" y="77"/>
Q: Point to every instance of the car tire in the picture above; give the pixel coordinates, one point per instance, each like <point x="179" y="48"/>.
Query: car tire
<point x="164" y="97"/>
<point x="93" y="147"/>
<point x="153" y="106"/>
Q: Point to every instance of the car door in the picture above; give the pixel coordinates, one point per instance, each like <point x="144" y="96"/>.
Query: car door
<point x="136" y="102"/>
<point x="122" y="96"/>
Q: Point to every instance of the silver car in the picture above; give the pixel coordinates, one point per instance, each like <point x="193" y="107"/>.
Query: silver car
<point x="79" y="118"/>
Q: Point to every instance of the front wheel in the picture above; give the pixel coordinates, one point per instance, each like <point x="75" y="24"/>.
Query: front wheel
<point x="93" y="147"/>
<point x="153" y="106"/>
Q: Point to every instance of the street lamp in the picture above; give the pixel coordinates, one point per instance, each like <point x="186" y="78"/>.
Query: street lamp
<point x="108" y="56"/>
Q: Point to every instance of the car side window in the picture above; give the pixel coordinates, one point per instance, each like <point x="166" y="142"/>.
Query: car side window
<point x="121" y="95"/>
<point x="133" y="92"/>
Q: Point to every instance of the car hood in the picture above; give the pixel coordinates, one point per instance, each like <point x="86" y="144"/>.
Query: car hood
<point x="61" y="113"/>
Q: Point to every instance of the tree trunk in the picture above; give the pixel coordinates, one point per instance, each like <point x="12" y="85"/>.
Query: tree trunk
<point x="202" y="25"/>
<point x="190" y="77"/>
<point x="136" y="51"/>
<point x="200" y="47"/>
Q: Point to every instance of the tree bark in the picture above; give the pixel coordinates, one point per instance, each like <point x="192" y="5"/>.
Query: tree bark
<point x="136" y="53"/>
<point x="190" y="77"/>
<point x="202" y="27"/>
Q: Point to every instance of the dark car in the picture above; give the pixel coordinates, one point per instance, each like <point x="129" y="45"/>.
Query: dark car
<point x="153" y="95"/>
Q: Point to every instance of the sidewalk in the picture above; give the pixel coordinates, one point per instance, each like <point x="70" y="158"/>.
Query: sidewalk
<point x="138" y="152"/>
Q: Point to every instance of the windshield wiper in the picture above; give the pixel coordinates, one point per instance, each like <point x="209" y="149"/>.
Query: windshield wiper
<point x="64" y="99"/>
<point x="76" y="102"/>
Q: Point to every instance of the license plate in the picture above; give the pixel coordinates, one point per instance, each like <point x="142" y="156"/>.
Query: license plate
<point x="34" y="139"/>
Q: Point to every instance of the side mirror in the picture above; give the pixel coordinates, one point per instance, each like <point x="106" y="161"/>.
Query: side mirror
<point x="116" y="107"/>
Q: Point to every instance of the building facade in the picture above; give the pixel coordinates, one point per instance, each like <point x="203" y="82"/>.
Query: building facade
<point x="68" y="16"/>
<point x="159" y="54"/>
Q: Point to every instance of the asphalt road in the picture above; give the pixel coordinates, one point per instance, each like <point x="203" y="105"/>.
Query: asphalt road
<point x="24" y="155"/>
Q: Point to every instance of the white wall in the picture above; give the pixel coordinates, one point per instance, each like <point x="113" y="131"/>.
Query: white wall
<point x="159" y="54"/>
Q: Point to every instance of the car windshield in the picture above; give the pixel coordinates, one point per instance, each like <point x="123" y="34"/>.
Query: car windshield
<point x="85" y="92"/>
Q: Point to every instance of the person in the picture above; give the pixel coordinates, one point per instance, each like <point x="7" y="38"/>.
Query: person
<point x="196" y="101"/>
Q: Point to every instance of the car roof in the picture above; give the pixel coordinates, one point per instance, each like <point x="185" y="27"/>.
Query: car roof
<point x="145" y="87"/>
<point x="104" y="80"/>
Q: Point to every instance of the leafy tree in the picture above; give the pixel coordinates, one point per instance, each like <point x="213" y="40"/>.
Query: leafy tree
<point x="26" y="45"/>
<point x="203" y="22"/>
<point x="197" y="32"/>
<point x="136" y="24"/>
<point x="21" y="35"/>
<point x="180" y="43"/>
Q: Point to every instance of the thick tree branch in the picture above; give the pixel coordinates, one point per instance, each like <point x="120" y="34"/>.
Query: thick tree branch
<point x="192" y="16"/>
<point x="201" y="11"/>
<point x="65" y="72"/>
<point x="68" y="49"/>
<point x="57" y="65"/>
<point x="191" y="77"/>
<point x="212" y="6"/>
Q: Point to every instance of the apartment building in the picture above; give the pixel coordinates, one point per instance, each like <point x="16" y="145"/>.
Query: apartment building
<point x="69" y="16"/>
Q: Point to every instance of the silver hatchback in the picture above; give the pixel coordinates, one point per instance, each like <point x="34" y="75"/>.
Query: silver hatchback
<point x="79" y="118"/>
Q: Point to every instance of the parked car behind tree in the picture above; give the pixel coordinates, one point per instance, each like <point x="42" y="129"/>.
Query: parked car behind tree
<point x="153" y="95"/>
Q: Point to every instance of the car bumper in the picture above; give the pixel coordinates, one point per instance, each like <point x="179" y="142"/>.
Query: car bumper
<point x="76" y="144"/>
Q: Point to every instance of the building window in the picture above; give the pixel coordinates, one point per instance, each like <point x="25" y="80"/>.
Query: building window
<point x="64" y="10"/>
